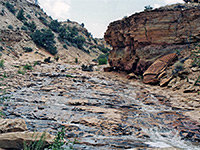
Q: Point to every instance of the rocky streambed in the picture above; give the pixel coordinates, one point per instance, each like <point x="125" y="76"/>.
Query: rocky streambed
<point x="102" y="110"/>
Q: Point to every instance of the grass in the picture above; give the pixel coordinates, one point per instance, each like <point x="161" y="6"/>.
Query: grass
<point x="58" y="143"/>
<point x="36" y="145"/>
<point x="2" y="64"/>
<point x="69" y="76"/>
<point x="21" y="71"/>
<point x="27" y="67"/>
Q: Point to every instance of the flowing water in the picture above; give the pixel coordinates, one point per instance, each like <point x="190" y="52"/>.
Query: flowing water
<point x="101" y="113"/>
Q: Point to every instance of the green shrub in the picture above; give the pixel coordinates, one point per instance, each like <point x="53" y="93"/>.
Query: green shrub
<point x="10" y="7"/>
<point x="65" y="46"/>
<point x="58" y="141"/>
<point x="103" y="49"/>
<point x="1" y="63"/>
<point x="45" y="38"/>
<point x="36" y="145"/>
<point x="20" y="15"/>
<point x="54" y="25"/>
<point x="36" y="63"/>
<point x="27" y="67"/>
<point x="47" y="60"/>
<point x="196" y="58"/>
<point x="43" y="20"/>
<point x="28" y="49"/>
<point x="28" y="16"/>
<point x="76" y="60"/>
<point x="148" y="7"/>
<point x="31" y="25"/>
<point x="1" y="48"/>
<point x="24" y="28"/>
<point x="102" y="59"/>
<point x="21" y="71"/>
<point x="10" y="27"/>
<point x="178" y="67"/>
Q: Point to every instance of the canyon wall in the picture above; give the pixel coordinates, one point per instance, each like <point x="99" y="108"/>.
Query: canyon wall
<point x="140" y="39"/>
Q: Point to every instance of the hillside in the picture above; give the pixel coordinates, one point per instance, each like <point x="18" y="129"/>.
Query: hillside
<point x="26" y="31"/>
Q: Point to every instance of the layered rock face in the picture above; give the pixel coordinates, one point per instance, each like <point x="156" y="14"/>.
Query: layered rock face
<point x="140" y="39"/>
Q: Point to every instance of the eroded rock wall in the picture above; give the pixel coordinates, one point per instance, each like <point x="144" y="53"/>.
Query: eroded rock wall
<point x="140" y="39"/>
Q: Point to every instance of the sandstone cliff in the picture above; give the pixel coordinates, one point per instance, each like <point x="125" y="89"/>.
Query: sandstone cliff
<point x="140" y="39"/>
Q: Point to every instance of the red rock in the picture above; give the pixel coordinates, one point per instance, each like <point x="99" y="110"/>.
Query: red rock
<point x="151" y="34"/>
<point x="151" y="75"/>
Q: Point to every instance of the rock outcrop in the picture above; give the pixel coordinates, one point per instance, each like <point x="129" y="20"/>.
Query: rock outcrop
<point x="12" y="125"/>
<point x="157" y="69"/>
<point x="142" y="38"/>
<point x="13" y="134"/>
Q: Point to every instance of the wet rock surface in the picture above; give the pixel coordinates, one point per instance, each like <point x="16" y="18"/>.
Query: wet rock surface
<point x="100" y="110"/>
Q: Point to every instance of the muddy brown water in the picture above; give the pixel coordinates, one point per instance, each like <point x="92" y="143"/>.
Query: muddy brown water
<point x="101" y="113"/>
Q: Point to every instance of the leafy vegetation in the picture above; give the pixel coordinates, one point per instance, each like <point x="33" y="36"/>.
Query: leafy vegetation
<point x="10" y="7"/>
<point x="36" y="145"/>
<point x="2" y="64"/>
<point x="27" y="67"/>
<point x="20" y="15"/>
<point x="196" y="57"/>
<point x="31" y="25"/>
<point x="70" y="35"/>
<point x="178" y="67"/>
<point x="45" y="38"/>
<point x="54" y="25"/>
<point x="28" y="49"/>
<point x="148" y="7"/>
<point x="10" y="27"/>
<point x="43" y="20"/>
<point x="24" y="28"/>
<point x="76" y="60"/>
<point x="102" y="59"/>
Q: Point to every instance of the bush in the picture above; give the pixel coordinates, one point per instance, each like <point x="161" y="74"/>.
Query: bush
<point x="102" y="59"/>
<point x="79" y="41"/>
<point x="31" y="25"/>
<point x="47" y="60"/>
<point x="2" y="64"/>
<point x="178" y="67"/>
<point x="27" y="67"/>
<point x="148" y="7"/>
<point x="28" y="16"/>
<point x="10" y="7"/>
<point x="20" y="15"/>
<point x="45" y="38"/>
<point x="103" y="49"/>
<point x="65" y="46"/>
<point x="43" y="20"/>
<point x="76" y="60"/>
<point x="10" y="27"/>
<point x="1" y="48"/>
<point x="28" y="49"/>
<point x="24" y="28"/>
<point x="54" y="25"/>
<point x="21" y="71"/>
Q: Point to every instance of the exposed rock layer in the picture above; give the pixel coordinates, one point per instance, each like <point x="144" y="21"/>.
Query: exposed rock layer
<point x="146" y="36"/>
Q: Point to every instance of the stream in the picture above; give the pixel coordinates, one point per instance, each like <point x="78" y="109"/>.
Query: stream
<point x="100" y="112"/>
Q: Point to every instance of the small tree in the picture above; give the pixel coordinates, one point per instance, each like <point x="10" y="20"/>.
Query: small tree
<point x="45" y="39"/>
<point x="148" y="7"/>
<point x="10" y="7"/>
<point x="20" y="15"/>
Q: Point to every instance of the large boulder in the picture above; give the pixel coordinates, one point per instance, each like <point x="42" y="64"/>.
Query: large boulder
<point x="142" y="38"/>
<point x="151" y="75"/>
<point x="16" y="140"/>
<point x="12" y="125"/>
